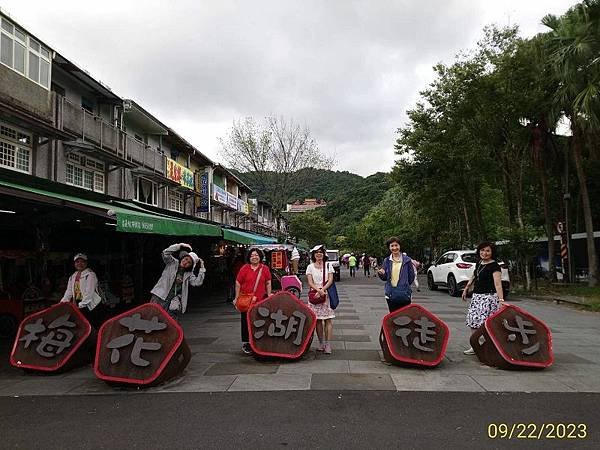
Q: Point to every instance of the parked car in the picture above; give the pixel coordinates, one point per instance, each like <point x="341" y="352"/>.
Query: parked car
<point x="333" y="258"/>
<point x="453" y="270"/>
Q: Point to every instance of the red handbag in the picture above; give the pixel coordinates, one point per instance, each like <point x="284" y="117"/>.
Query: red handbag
<point x="312" y="293"/>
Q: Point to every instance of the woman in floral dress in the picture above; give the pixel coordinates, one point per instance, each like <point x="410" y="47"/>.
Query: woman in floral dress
<point x="320" y="283"/>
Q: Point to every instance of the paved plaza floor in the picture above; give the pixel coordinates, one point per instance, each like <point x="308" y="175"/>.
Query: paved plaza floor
<point x="212" y="330"/>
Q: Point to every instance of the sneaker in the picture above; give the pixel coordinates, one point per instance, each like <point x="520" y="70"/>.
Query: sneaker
<point x="470" y="351"/>
<point x="327" y="349"/>
<point x="321" y="348"/>
<point x="246" y="348"/>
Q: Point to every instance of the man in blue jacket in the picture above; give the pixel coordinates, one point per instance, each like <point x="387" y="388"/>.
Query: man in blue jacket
<point x="398" y="273"/>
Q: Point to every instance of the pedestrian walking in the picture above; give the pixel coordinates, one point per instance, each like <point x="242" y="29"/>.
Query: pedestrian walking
<point x="487" y="289"/>
<point x="352" y="264"/>
<point x="254" y="278"/>
<point x="320" y="277"/>
<point x="366" y="261"/>
<point x="398" y="274"/>
<point x="171" y="289"/>
<point x="82" y="289"/>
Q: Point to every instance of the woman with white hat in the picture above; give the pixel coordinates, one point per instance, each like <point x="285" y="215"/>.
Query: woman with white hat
<point x="82" y="289"/>
<point x="320" y="278"/>
<point x="171" y="290"/>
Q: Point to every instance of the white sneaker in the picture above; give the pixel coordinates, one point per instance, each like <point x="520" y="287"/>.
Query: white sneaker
<point x="470" y="351"/>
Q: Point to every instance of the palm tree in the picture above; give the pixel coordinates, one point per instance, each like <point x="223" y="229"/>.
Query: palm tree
<point x="574" y="46"/>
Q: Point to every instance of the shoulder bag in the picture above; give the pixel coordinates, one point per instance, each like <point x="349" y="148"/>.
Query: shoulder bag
<point x="312" y="293"/>
<point x="244" y="301"/>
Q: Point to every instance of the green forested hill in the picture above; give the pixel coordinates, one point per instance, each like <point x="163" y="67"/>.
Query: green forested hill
<point x="349" y="196"/>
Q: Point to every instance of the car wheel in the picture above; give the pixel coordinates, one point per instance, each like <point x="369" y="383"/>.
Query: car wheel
<point x="294" y="291"/>
<point x="8" y="326"/>
<point x="432" y="286"/>
<point x="452" y="287"/>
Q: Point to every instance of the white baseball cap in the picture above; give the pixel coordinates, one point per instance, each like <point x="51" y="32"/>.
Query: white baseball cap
<point x="80" y="256"/>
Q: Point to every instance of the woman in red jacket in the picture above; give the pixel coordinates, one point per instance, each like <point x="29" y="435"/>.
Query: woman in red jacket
<point x="253" y="278"/>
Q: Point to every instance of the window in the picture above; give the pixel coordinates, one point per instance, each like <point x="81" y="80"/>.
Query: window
<point x="146" y="192"/>
<point x="15" y="149"/>
<point x="84" y="172"/>
<point x="87" y="104"/>
<point x="24" y="54"/>
<point x="176" y="200"/>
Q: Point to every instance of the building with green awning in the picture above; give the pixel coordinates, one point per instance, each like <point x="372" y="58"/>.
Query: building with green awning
<point x="128" y="220"/>
<point x="244" y="237"/>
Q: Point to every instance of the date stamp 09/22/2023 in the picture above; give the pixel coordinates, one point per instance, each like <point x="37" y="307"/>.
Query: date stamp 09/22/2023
<point x="537" y="431"/>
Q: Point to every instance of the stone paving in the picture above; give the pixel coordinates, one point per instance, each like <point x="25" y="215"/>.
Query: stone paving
<point x="212" y="330"/>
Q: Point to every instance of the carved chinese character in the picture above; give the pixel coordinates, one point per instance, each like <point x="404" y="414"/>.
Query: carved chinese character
<point x="55" y="341"/>
<point x="135" y="323"/>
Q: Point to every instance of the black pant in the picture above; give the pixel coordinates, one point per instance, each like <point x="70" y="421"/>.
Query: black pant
<point x="394" y="306"/>
<point x="96" y="316"/>
<point x="244" y="325"/>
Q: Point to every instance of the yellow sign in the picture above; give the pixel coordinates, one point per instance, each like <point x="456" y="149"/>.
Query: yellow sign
<point x="180" y="174"/>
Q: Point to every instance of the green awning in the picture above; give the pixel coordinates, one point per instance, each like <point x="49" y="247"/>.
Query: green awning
<point x="244" y="237"/>
<point x="128" y="220"/>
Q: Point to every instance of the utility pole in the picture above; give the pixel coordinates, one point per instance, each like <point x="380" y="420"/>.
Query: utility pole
<point x="570" y="275"/>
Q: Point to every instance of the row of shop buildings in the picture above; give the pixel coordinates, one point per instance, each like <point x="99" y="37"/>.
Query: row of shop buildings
<point x="83" y="169"/>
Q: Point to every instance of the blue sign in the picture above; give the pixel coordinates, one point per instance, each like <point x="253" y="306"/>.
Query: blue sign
<point x="204" y="196"/>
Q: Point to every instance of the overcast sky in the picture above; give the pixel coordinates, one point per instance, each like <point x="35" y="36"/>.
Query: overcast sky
<point x="347" y="69"/>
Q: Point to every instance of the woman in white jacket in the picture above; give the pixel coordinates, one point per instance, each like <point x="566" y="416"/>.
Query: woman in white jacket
<point x="82" y="289"/>
<point x="171" y="290"/>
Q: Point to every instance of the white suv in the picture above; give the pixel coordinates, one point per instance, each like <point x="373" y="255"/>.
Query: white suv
<point x="453" y="270"/>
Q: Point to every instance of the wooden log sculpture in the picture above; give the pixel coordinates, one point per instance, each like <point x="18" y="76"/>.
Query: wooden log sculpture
<point x="281" y="326"/>
<point x="511" y="338"/>
<point x="413" y="336"/>
<point x="143" y="347"/>
<point x="54" y="340"/>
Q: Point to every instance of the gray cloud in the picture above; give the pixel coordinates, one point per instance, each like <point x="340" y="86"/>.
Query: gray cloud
<point x="348" y="69"/>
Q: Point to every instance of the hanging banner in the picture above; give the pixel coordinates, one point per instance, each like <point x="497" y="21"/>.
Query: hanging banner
<point x="243" y="206"/>
<point x="232" y="201"/>
<point x="179" y="174"/>
<point x="219" y="194"/>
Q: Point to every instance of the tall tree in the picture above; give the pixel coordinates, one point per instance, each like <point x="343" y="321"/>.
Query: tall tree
<point x="574" y="47"/>
<point x="272" y="155"/>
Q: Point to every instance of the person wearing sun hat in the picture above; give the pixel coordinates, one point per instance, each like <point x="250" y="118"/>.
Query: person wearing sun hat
<point x="320" y="283"/>
<point x="82" y="289"/>
<point x="171" y="290"/>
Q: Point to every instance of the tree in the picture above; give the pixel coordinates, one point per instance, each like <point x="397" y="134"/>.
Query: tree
<point x="272" y="155"/>
<point x="574" y="46"/>
<point x="309" y="228"/>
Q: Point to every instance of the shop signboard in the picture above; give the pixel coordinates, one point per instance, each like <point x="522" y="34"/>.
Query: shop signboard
<point x="511" y="337"/>
<point x="232" y="201"/>
<point x="243" y="206"/>
<point x="281" y="326"/>
<point x="53" y="340"/>
<point x="143" y="346"/>
<point x="219" y="194"/>
<point x="204" y="195"/>
<point x="179" y="174"/>
<point x="413" y="336"/>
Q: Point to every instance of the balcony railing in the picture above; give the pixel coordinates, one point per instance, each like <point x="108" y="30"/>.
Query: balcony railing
<point x="110" y="138"/>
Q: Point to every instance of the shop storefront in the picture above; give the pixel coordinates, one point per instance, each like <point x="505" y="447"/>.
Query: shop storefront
<point x="42" y="225"/>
